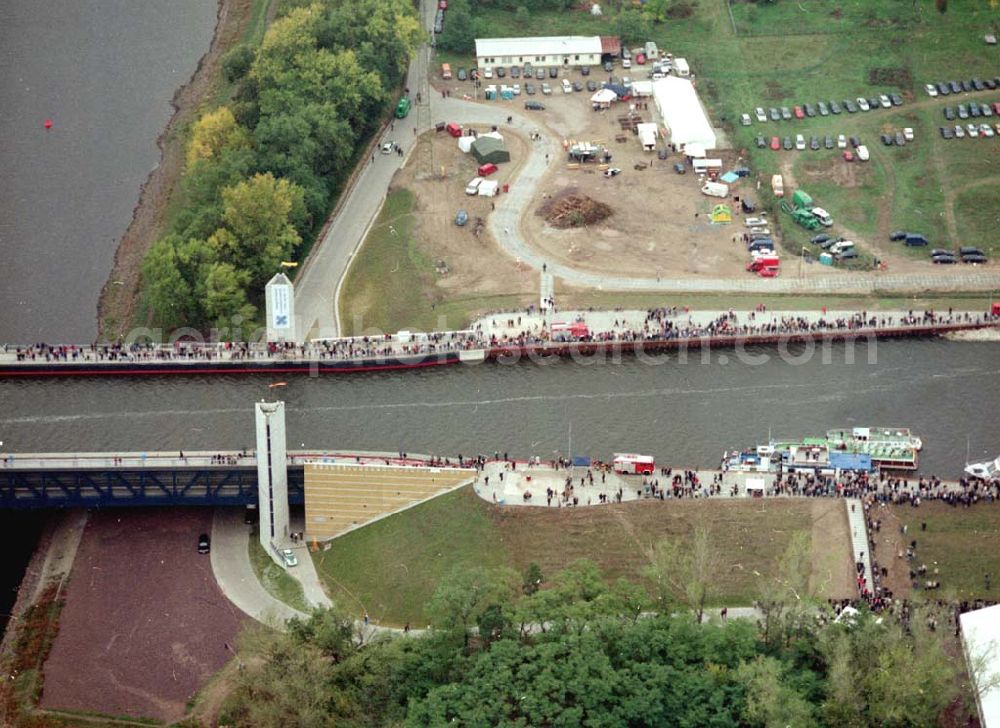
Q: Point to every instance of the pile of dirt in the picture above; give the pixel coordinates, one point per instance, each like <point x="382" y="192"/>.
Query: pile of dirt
<point x="571" y="209"/>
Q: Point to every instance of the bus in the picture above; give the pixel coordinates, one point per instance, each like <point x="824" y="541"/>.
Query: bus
<point x="403" y="108"/>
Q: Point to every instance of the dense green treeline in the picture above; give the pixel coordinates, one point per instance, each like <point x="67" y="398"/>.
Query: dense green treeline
<point x="262" y="170"/>
<point x="504" y="652"/>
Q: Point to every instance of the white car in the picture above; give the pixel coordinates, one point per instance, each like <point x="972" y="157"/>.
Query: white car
<point x="488" y="72"/>
<point x="885" y="101"/>
<point x="972" y="130"/>
<point x="800" y="142"/>
<point x="754" y="221"/>
<point x="908" y="133"/>
<point x="823" y="216"/>
<point x="745" y="119"/>
<point x="959" y="132"/>
<point x="288" y="556"/>
<point x="862" y="152"/>
<point x="986" y="130"/>
<point x="516" y="88"/>
<point x="863" y="104"/>
<point x="841" y="142"/>
<point x="760" y="231"/>
<point x="931" y="89"/>
<point x="473" y="187"/>
<point x="567" y="87"/>
<point x="759" y="113"/>
<point x="626" y="63"/>
<point x="388" y="147"/>
<point x="546" y="89"/>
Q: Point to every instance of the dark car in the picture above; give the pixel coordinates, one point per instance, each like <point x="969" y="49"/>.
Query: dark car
<point x="824" y="110"/>
<point x="500" y="71"/>
<point x="515" y="72"/>
<point x="850" y="106"/>
<point x="577" y="86"/>
<point x="944" y="259"/>
<point x="896" y="99"/>
<point x="966" y="85"/>
<point x="834" y="107"/>
<point x="787" y="143"/>
<point x="848" y="254"/>
<point x="819" y="239"/>
<point x="946" y="132"/>
<point x="774" y="114"/>
<point x="529" y="88"/>
<point x="534" y="105"/>
<point x="661" y="153"/>
<point x="591" y="85"/>
<point x="973" y="258"/>
<point x="809" y="109"/>
<point x="900" y="139"/>
<point x="553" y="72"/>
<point x="828" y="142"/>
<point x="855" y="142"/>
<point x="897" y="235"/>
<point x="608" y="66"/>
<point x="943" y="89"/>
<point x="949" y="113"/>
<point x="874" y="103"/>
<point x="679" y="168"/>
<point x="814" y="143"/>
<point x="886" y="139"/>
<point x="462" y="75"/>
<point x="963" y="111"/>
<point x="585" y="70"/>
<point x="786" y="113"/>
<point x="969" y="250"/>
<point x="955" y="87"/>
<point x="978" y="84"/>
<point x="942" y="251"/>
<point x="974" y="111"/>
<point x="761" y="142"/>
<point x="990" y="84"/>
<point x="539" y="74"/>
<point x="747" y="204"/>
<point x="204" y="544"/>
<point x="915" y="239"/>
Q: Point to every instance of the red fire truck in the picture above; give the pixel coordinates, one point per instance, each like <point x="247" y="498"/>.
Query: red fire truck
<point x="632" y="464"/>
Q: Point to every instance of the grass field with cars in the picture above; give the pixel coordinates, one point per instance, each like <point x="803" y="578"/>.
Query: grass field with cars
<point x="745" y="55"/>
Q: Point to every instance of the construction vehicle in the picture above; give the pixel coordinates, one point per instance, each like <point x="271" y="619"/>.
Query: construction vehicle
<point x="803" y="216"/>
<point x="801" y="200"/>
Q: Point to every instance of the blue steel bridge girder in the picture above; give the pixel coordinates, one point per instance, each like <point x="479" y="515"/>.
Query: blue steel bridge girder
<point x="86" y="488"/>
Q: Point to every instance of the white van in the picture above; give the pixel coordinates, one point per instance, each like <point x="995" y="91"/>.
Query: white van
<point x="715" y="189"/>
<point x="838" y="248"/>
<point x="473" y="186"/>
<point x="652" y="52"/>
<point x="567" y="87"/>
<point x="681" y="67"/>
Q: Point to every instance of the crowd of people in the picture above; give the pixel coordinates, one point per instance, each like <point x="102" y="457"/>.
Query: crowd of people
<point x="659" y="324"/>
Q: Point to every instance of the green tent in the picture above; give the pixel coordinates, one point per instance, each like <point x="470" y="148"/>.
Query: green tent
<point x="490" y="149"/>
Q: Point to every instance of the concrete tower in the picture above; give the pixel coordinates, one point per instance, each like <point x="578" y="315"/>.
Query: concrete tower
<point x="279" y="301"/>
<point x="272" y="475"/>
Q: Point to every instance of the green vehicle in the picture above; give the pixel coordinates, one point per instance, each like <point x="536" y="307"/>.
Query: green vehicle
<point x="402" y="108"/>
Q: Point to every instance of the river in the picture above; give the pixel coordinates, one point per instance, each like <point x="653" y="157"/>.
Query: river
<point x="686" y="413"/>
<point x="104" y="72"/>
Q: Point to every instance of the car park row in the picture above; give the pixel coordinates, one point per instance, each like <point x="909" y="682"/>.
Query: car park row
<point x="969" y="130"/>
<point x="815" y="142"/>
<point x="945" y="88"/>
<point x="822" y="108"/>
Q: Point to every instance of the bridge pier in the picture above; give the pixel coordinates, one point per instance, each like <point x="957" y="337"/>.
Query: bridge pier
<point x="272" y="477"/>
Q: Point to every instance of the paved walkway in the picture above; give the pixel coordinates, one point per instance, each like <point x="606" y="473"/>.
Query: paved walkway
<point x="860" y="550"/>
<point x="232" y="569"/>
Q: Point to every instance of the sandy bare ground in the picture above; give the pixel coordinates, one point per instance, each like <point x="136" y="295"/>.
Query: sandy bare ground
<point x="145" y="625"/>
<point x="117" y="307"/>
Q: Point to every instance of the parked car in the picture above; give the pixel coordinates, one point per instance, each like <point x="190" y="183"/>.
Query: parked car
<point x="963" y="111"/>
<point x="488" y="72"/>
<point x="848" y="155"/>
<point x="974" y="111"/>
<point x="862" y="152"/>
<point x="786" y="113"/>
<point x="546" y="89"/>
<point x="535" y="105"/>
<point x="608" y="67"/>
<point x="942" y="251"/>
<point x="974" y="258"/>
<point x="787" y="143"/>
<point x="949" y="113"/>
<point x="798" y="112"/>
<point x="814" y="143"/>
<point x="908" y="133"/>
<point x="972" y="131"/>
<point x="485" y="170"/>
<point x="819" y="239"/>
<point x="473" y="187"/>
<point x="828" y="142"/>
<point x="462" y="75"/>
<point x="946" y="132"/>
<point x="863" y="104"/>
<point x="943" y="89"/>
<point x="900" y="139"/>
<point x="775" y="143"/>
<point x="800" y="142"/>
<point x="841" y="142"/>
<point x="931" y="90"/>
<point x="204" y="544"/>
<point x="848" y="254"/>
<point x="679" y="168"/>
<point x="959" y="132"/>
<point x="578" y="86"/>
<point x="775" y="114"/>
<point x="529" y="89"/>
<point x="915" y="239"/>
<point x="985" y="130"/>
<point x="461" y="217"/>
<point x="515" y="72"/>
<point x="850" y="107"/>
<point x="745" y="119"/>
<point x="539" y="74"/>
<point x="752" y="222"/>
<point x="886" y="139"/>
<point x="966" y="85"/>
<point x="809" y="109"/>
<point x="855" y="142"/>
<point x="955" y="87"/>
<point x="970" y="250"/>
<point x="834" y="107"/>
<point x="824" y="110"/>
<point x="500" y="71"/>
<point x="896" y="99"/>
<point x="897" y="235"/>
<point x="759" y="113"/>
<point x="944" y="259"/>
<point x="584" y="70"/>
<point x="553" y="72"/>
<point x="885" y="101"/>
<point x="873" y="103"/>
<point x="567" y="87"/>
<point x="760" y="141"/>
<point x="985" y="110"/>
<point x="612" y="172"/>
<point x="591" y="85"/>
<point x="288" y="556"/>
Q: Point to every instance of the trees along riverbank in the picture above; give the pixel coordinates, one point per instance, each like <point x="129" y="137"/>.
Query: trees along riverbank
<point x="264" y="169"/>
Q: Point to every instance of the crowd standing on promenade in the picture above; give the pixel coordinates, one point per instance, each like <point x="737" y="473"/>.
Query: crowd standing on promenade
<point x="528" y="329"/>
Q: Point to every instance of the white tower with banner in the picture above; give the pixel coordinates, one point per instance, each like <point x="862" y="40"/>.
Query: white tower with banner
<point x="279" y="296"/>
<point x="272" y="476"/>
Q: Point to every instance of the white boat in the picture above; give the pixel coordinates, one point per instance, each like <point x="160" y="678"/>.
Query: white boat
<point x="988" y="471"/>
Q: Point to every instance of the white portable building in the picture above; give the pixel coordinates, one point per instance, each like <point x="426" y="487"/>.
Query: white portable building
<point x="489" y="188"/>
<point x="981" y="642"/>
<point x="465" y="143"/>
<point x="642" y="88"/>
<point x="647" y="136"/>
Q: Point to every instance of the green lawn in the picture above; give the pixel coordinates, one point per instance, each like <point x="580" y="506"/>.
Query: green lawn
<point x="963" y="543"/>
<point x="392" y="567"/>
<point x="275" y="580"/>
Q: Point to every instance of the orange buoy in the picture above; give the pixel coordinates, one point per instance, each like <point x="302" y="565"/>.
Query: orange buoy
<point x="48" y="124"/>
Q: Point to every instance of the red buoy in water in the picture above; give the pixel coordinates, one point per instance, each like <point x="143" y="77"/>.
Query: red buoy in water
<point x="48" y="124"/>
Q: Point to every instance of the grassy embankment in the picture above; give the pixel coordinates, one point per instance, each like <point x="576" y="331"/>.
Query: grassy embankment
<point x="392" y="567"/>
<point x="944" y="189"/>
<point x="275" y="580"/>
<point x="961" y="542"/>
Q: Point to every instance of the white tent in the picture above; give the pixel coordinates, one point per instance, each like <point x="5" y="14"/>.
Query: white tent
<point x="604" y="97"/>
<point x="682" y="113"/>
<point x="694" y="150"/>
<point x="647" y="136"/>
<point x="755" y="487"/>
<point x="465" y="143"/>
<point x="981" y="641"/>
